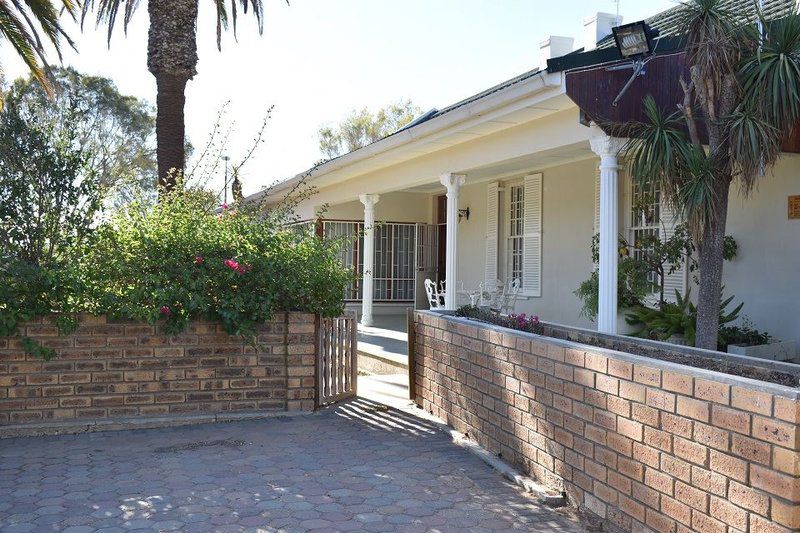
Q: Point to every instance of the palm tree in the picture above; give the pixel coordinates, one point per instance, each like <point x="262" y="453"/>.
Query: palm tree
<point x="20" y="24"/>
<point x="172" y="59"/>
<point x="741" y="102"/>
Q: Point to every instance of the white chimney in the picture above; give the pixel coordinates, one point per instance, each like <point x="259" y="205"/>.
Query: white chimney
<point x="596" y="27"/>
<point x="554" y="46"/>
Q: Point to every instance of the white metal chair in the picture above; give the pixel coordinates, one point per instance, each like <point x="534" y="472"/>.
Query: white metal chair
<point x="508" y="300"/>
<point x="492" y="295"/>
<point x="434" y="301"/>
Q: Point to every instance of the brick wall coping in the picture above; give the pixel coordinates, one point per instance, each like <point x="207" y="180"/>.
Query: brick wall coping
<point x="791" y="393"/>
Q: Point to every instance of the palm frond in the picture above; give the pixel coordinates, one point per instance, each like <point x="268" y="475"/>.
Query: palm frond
<point x="770" y="77"/>
<point x="713" y="29"/>
<point x="223" y="17"/>
<point x="754" y="144"/>
<point x="657" y="149"/>
<point x="698" y="193"/>
<point x="20" y="24"/>
<point x="108" y="12"/>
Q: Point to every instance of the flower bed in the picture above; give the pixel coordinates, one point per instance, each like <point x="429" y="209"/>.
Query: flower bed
<point x="785" y="374"/>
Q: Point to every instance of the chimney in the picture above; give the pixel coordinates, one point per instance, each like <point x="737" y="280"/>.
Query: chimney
<point x="596" y="27"/>
<point x="554" y="46"/>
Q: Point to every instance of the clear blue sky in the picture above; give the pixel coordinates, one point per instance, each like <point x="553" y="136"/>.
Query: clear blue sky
<point x="319" y="59"/>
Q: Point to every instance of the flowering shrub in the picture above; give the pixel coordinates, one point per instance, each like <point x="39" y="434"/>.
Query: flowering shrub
<point x="180" y="259"/>
<point x="522" y="322"/>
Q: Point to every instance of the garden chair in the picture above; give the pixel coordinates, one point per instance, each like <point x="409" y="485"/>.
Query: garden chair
<point x="508" y="300"/>
<point x="434" y="301"/>
<point x="492" y="295"/>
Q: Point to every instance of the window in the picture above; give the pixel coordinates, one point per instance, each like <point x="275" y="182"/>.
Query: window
<point x="516" y="232"/>
<point x="394" y="272"/>
<point x="645" y="220"/>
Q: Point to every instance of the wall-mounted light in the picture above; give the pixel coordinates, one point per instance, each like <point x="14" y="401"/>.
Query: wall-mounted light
<point x="463" y="213"/>
<point x="633" y="40"/>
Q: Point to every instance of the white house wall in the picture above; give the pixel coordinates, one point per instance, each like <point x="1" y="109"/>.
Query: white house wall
<point x="567" y="228"/>
<point x="765" y="275"/>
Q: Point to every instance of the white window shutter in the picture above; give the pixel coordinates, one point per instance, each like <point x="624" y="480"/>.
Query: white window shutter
<point x="678" y="279"/>
<point x="492" y="213"/>
<point x="532" y="238"/>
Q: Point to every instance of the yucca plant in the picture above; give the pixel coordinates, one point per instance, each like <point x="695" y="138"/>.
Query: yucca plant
<point x="172" y="59"/>
<point x="675" y="318"/>
<point x="741" y="102"/>
<point x="22" y="22"/>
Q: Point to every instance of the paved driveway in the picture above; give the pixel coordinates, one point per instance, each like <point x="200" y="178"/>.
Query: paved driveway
<point x="353" y="467"/>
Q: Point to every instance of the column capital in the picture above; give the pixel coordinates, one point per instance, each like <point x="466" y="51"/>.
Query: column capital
<point x="452" y="181"/>
<point x="369" y="200"/>
<point x="604" y="145"/>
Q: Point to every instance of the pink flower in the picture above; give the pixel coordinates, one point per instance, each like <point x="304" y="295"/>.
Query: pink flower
<point x="165" y="310"/>
<point x="237" y="267"/>
<point x="224" y="206"/>
<point x="198" y="259"/>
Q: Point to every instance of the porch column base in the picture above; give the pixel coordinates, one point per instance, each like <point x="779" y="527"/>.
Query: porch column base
<point x="369" y="201"/>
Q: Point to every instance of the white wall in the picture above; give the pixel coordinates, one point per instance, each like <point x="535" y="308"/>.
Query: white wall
<point x="765" y="275"/>
<point x="567" y="228"/>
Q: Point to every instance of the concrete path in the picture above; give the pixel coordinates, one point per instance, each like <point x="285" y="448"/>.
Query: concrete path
<point x="360" y="466"/>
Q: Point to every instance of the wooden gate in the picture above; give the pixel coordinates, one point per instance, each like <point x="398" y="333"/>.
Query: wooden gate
<point x="337" y="359"/>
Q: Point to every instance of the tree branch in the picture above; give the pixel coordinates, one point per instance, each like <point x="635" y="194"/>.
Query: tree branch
<point x="688" y="113"/>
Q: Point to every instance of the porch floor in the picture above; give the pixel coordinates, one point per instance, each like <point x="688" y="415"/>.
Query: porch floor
<point x="383" y="347"/>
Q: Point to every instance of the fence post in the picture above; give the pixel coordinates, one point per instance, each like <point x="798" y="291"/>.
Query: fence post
<point x="412" y="360"/>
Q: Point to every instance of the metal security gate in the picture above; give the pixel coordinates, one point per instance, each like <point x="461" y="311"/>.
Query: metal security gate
<point x="337" y="359"/>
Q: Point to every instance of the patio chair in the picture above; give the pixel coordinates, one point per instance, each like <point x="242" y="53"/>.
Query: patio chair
<point x="434" y="301"/>
<point x="508" y="299"/>
<point x="492" y="295"/>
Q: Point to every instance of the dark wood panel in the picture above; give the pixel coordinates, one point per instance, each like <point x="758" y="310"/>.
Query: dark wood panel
<point x="594" y="90"/>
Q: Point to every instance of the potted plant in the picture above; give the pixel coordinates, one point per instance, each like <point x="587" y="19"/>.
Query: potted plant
<point x="746" y="340"/>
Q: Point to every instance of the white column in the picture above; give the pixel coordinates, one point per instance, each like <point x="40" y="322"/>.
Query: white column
<point x="608" y="149"/>
<point x="453" y="182"/>
<point x="369" y="201"/>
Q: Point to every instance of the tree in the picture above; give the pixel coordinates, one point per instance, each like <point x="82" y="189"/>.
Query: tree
<point x="740" y="103"/>
<point x="361" y="128"/>
<point x="49" y="194"/>
<point x="116" y="130"/>
<point x="172" y="59"/>
<point x="20" y="24"/>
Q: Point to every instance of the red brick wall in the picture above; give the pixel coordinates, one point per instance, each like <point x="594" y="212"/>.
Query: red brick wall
<point x="109" y="370"/>
<point x="634" y="440"/>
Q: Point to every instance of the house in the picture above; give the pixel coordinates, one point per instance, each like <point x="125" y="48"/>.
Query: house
<point x="513" y="182"/>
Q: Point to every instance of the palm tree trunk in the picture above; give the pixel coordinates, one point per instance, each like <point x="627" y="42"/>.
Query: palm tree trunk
<point x="710" y="260"/>
<point x="172" y="59"/>
<point x="170" y="128"/>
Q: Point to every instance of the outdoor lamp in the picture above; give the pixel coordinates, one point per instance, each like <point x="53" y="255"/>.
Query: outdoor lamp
<point x="633" y="39"/>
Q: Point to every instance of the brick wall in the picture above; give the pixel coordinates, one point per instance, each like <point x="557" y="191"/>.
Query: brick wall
<point x="639" y="442"/>
<point x="110" y="370"/>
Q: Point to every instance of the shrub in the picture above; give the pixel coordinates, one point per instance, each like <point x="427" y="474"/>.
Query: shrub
<point x="180" y="259"/>
<point x="674" y="318"/>
<point x="744" y="335"/>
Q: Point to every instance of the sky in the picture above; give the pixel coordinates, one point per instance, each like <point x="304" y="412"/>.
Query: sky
<point x="318" y="60"/>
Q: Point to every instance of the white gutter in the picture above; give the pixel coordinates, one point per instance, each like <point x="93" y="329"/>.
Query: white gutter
<point x="539" y="82"/>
